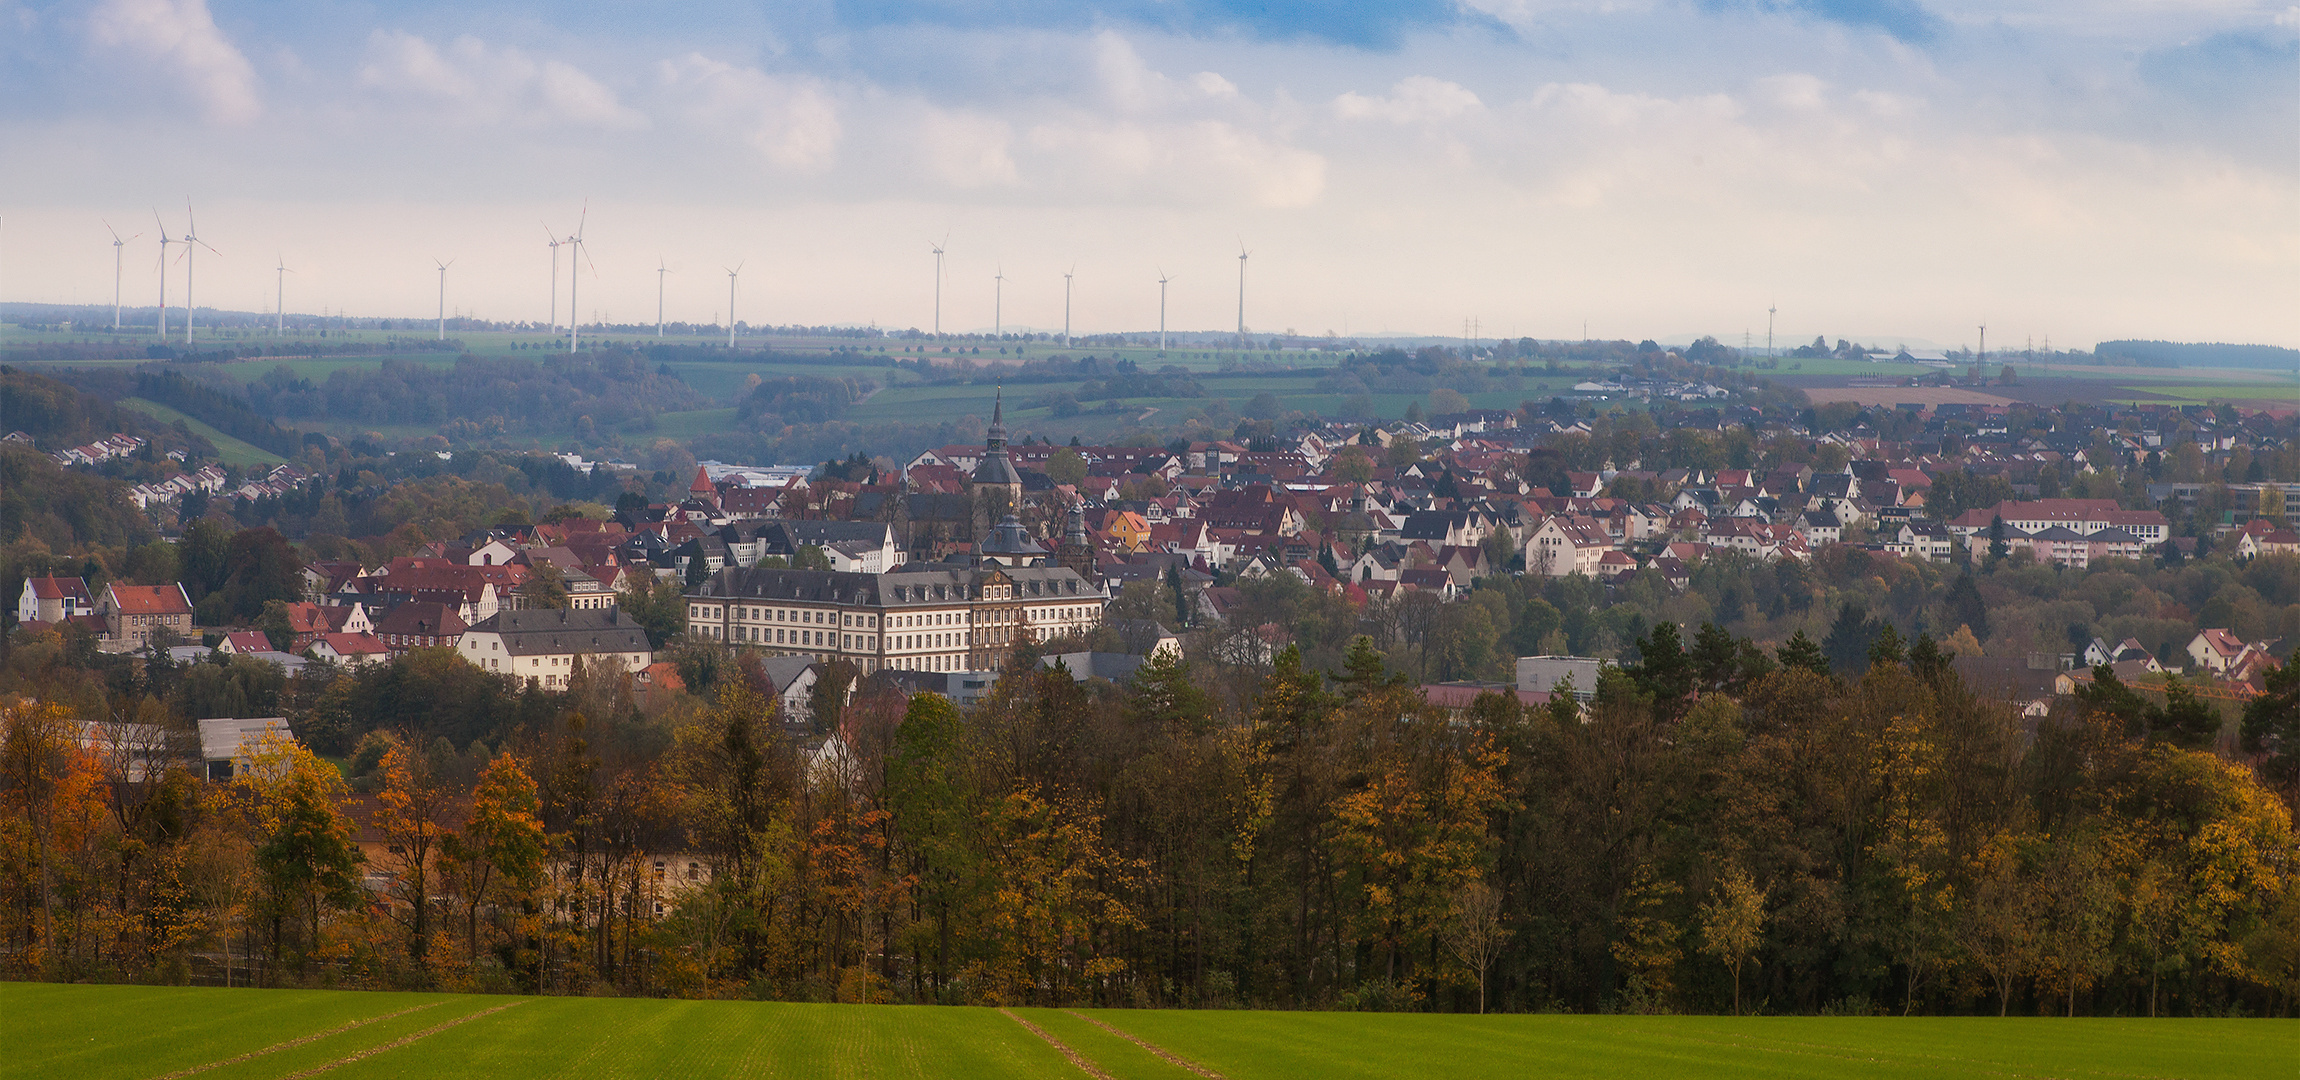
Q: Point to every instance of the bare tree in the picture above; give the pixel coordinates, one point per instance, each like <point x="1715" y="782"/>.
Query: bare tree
<point x="1476" y="935"/>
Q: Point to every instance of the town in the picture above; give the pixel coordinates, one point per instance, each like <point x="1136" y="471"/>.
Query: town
<point x="607" y="652"/>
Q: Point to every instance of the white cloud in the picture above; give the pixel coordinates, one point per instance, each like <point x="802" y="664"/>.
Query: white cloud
<point x="1204" y="161"/>
<point x="1417" y="99"/>
<point x="182" y="36"/>
<point x="966" y="149"/>
<point x="792" y="122"/>
<point x="482" y="85"/>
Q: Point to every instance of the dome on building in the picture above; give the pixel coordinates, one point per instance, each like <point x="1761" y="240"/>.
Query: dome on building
<point x="1011" y="544"/>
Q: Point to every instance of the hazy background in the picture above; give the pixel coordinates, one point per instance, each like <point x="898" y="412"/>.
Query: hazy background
<point x="1881" y="170"/>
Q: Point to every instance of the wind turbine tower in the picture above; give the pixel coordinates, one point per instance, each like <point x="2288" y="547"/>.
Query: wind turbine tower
<point x="998" y="305"/>
<point x="661" y="268"/>
<point x="1162" y="280"/>
<point x="1769" y="330"/>
<point x="279" y="302"/>
<point x="443" y="296"/>
<point x="1983" y="356"/>
<point x="117" y="244"/>
<point x="937" y="284"/>
<point x="165" y="240"/>
<point x="191" y="242"/>
<point x="574" y="275"/>
<point x="552" y="240"/>
<point x="732" y="274"/>
<point x="1242" y="253"/>
<point x="1066" y="276"/>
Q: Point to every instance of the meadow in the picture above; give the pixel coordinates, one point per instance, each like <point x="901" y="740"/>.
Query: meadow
<point x="148" y="1033"/>
<point x="233" y="451"/>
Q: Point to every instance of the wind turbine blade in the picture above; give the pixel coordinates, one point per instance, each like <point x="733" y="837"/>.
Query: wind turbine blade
<point x="162" y="224"/>
<point x="115" y="232"/>
<point x="211" y="247"/>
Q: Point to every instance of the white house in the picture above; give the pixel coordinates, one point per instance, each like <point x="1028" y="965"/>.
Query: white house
<point x="539" y="646"/>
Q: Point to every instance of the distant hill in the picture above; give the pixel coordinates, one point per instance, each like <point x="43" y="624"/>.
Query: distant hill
<point x="2213" y="354"/>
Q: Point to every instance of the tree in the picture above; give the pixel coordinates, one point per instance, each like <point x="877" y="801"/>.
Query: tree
<point x="1800" y="652"/>
<point x="1733" y="925"/>
<point x="410" y="810"/>
<point x="1997" y="916"/>
<point x="656" y="605"/>
<point x="1965" y="606"/>
<point x="1663" y="671"/>
<point x="1998" y="547"/>
<point x="305" y="857"/>
<point x="1162" y="698"/>
<point x="498" y="857"/>
<point x="1476" y="934"/>
<point x="2271" y="727"/>
<point x="810" y="557"/>
<point x="545" y="587"/>
<point x="1066" y="467"/>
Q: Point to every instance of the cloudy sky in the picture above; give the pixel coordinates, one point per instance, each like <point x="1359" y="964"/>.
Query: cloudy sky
<point x="1880" y="169"/>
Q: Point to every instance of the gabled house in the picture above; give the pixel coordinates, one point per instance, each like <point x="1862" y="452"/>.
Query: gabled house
<point x="53" y="600"/>
<point x="135" y="612"/>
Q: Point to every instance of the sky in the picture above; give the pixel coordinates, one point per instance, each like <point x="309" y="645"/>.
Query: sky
<point x="1882" y="170"/>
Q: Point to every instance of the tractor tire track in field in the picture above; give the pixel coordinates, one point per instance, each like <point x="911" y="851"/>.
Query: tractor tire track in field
<point x="295" y="1042"/>
<point x="398" y="1042"/>
<point x="1084" y="1065"/>
<point x="1171" y="1058"/>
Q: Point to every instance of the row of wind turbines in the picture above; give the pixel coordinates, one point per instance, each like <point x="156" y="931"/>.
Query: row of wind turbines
<point x="578" y="259"/>
<point x="192" y="243"/>
<point x="998" y="295"/>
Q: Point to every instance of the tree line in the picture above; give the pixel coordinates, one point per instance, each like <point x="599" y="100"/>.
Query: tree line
<point x="1719" y="829"/>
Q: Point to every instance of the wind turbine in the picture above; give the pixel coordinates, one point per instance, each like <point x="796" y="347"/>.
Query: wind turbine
<point x="1984" y="353"/>
<point x="192" y="242"/>
<point x="1162" y="280"/>
<point x="279" y="303"/>
<point x="443" y="296"/>
<point x="1242" y="253"/>
<point x="937" y="283"/>
<point x="732" y="273"/>
<point x="117" y="244"/>
<point x="661" y="268"/>
<point x="998" y="304"/>
<point x="1066" y="276"/>
<point x="553" y="241"/>
<point x="165" y="240"/>
<point x="574" y="275"/>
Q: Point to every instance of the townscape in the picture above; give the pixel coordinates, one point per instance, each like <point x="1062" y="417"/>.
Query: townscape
<point x="1634" y="697"/>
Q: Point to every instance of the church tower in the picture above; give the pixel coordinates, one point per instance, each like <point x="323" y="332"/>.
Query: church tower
<point x="1077" y="549"/>
<point x="997" y="487"/>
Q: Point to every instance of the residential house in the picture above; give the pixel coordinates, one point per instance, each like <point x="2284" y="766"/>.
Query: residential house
<point x="53" y="600"/>
<point x="540" y="646"/>
<point x="421" y="625"/>
<point x="135" y="612"/>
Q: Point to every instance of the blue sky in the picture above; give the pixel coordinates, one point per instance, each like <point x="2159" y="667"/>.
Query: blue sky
<point x="1884" y="169"/>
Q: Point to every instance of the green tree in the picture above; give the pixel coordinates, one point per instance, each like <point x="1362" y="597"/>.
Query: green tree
<point x="1801" y="653"/>
<point x="810" y="557"/>
<point x="1066" y="467"/>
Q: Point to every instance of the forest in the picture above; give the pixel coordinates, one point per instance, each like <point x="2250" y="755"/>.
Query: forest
<point x="1721" y="829"/>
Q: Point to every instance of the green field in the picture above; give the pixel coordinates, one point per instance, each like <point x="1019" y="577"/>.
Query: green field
<point x="2230" y="391"/>
<point x="143" y="1033"/>
<point x="233" y="451"/>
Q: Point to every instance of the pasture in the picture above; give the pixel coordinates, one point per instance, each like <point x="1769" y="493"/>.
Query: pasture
<point x="147" y="1033"/>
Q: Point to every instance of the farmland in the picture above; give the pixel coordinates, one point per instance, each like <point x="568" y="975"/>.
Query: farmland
<point x="79" y="1032"/>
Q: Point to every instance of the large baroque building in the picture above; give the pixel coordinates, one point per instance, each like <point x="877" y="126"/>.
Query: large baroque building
<point x="928" y="617"/>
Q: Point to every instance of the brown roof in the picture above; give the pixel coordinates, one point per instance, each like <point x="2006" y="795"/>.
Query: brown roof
<point x="149" y="599"/>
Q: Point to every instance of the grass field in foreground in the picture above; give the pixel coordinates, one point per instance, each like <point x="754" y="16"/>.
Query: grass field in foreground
<point x="143" y="1033"/>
